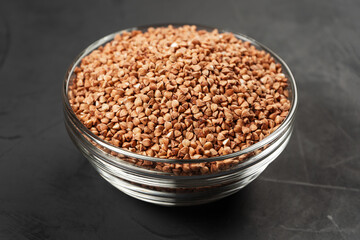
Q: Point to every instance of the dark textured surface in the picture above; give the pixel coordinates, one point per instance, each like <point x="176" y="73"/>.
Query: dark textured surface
<point x="49" y="191"/>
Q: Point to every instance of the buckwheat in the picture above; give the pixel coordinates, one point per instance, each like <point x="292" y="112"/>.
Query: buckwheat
<point x="179" y="93"/>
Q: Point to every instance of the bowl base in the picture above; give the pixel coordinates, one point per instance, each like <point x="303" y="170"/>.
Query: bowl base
<point x="164" y="198"/>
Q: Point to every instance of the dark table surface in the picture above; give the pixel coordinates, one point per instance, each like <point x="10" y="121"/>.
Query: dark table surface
<point x="49" y="191"/>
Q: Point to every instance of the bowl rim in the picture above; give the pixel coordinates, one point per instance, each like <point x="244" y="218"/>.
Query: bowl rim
<point x="100" y="42"/>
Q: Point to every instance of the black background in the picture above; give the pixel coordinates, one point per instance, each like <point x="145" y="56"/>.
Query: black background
<point x="49" y="191"/>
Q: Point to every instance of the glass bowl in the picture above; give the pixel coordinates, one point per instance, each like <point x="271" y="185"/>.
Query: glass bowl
<point x="135" y="175"/>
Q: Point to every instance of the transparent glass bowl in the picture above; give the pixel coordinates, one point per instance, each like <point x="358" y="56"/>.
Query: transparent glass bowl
<point x="118" y="167"/>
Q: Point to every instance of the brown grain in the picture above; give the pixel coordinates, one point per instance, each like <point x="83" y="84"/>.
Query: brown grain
<point x="180" y="93"/>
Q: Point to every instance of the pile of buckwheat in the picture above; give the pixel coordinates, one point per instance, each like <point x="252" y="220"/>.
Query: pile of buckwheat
<point x="179" y="93"/>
